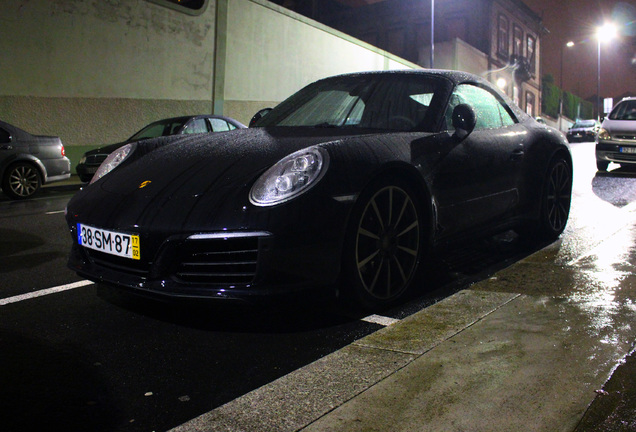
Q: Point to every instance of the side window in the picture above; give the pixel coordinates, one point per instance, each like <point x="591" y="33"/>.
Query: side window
<point x="197" y="126"/>
<point x="5" y="136"/>
<point x="489" y="110"/>
<point x="219" y="125"/>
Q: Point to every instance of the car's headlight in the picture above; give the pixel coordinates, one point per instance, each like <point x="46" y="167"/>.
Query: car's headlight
<point x="113" y="160"/>
<point x="83" y="159"/>
<point x="290" y="177"/>
<point x="603" y="134"/>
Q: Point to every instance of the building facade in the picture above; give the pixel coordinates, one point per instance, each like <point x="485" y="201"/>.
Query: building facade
<point x="497" y="39"/>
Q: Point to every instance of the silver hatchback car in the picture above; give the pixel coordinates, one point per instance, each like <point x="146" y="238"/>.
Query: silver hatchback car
<point x="616" y="140"/>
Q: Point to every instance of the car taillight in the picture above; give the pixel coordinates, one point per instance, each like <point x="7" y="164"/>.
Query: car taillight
<point x="63" y="152"/>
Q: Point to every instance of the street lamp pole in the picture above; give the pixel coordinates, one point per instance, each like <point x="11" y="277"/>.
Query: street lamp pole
<point x="598" y="81"/>
<point x="569" y="45"/>
<point x="606" y="32"/>
<point x="432" y="33"/>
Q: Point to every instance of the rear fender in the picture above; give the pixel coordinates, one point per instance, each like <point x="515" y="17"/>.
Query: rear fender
<point x="24" y="157"/>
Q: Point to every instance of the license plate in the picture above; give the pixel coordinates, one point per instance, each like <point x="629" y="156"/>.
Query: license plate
<point x="110" y="242"/>
<point x="628" y="149"/>
<point x="91" y="170"/>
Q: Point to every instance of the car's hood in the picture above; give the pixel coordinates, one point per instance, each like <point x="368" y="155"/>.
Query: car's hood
<point x="209" y="172"/>
<point x="620" y="126"/>
<point x="193" y="165"/>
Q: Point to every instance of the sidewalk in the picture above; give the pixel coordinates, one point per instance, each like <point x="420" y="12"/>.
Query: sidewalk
<point x="529" y="349"/>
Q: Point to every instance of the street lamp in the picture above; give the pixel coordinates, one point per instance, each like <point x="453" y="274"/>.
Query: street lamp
<point x="604" y="33"/>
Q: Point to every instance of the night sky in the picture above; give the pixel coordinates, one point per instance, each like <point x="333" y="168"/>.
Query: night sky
<point x="577" y="20"/>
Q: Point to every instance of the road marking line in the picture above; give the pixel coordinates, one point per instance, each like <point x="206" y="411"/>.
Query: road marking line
<point x="382" y="320"/>
<point x="54" y="212"/>
<point x="44" y="292"/>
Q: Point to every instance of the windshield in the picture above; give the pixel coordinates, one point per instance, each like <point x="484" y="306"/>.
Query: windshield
<point x="388" y="102"/>
<point x="625" y="110"/>
<point x="584" y="124"/>
<point x="159" y="128"/>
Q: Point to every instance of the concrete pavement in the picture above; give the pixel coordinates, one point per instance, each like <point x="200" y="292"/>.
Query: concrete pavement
<point x="530" y="348"/>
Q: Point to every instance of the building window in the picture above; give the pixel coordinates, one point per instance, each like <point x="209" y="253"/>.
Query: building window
<point x="531" y="43"/>
<point x="192" y="7"/>
<point x="502" y="36"/>
<point x="517" y="41"/>
<point x="530" y="104"/>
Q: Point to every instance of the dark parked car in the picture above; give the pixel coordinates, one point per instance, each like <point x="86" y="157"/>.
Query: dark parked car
<point x="616" y="140"/>
<point x="91" y="160"/>
<point x="28" y="161"/>
<point x="349" y="183"/>
<point x="583" y="130"/>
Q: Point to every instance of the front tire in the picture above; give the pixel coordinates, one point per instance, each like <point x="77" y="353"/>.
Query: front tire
<point x="21" y="180"/>
<point x="602" y="165"/>
<point x="384" y="244"/>
<point x="556" y="197"/>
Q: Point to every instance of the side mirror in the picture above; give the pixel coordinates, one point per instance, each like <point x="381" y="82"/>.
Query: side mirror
<point x="259" y="115"/>
<point x="464" y="120"/>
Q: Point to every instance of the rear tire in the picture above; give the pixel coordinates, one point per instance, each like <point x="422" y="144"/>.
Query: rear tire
<point x="21" y="180"/>
<point x="384" y="244"/>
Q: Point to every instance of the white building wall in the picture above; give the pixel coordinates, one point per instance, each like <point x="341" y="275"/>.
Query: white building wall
<point x="82" y="48"/>
<point x="272" y="53"/>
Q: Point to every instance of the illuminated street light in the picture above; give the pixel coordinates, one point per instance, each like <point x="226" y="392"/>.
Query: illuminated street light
<point x="604" y="33"/>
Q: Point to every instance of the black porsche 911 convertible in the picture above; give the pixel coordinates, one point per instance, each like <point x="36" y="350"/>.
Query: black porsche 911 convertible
<point x="346" y="186"/>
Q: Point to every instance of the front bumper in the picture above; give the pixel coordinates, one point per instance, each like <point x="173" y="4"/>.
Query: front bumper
<point x="57" y="169"/>
<point x="86" y="172"/>
<point x="246" y="266"/>
<point x="618" y="151"/>
<point x="273" y="252"/>
<point x="581" y="136"/>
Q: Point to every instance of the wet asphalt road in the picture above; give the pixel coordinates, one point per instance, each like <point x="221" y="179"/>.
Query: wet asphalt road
<point x="88" y="359"/>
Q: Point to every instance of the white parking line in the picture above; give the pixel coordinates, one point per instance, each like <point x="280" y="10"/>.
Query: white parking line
<point x="44" y="292"/>
<point x="382" y="320"/>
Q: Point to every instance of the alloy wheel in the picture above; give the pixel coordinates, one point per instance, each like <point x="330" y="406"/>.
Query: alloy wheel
<point x="558" y="196"/>
<point x="387" y="243"/>
<point x="23" y="181"/>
